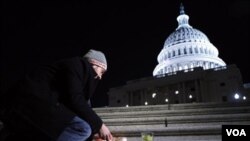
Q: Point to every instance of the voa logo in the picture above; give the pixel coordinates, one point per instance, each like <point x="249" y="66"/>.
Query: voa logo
<point x="236" y="132"/>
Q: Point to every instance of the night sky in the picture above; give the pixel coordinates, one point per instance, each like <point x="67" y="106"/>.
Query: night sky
<point x="130" y="33"/>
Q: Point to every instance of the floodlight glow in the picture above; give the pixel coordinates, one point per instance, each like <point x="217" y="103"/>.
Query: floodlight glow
<point x="166" y="100"/>
<point x="176" y="92"/>
<point x="244" y="97"/>
<point x="127" y="105"/>
<point x="146" y="103"/>
<point x="153" y="95"/>
<point x="124" y="139"/>
<point x="236" y="96"/>
<point x="190" y="96"/>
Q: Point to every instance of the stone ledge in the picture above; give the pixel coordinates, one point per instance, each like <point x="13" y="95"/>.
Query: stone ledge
<point x="179" y="119"/>
<point x="160" y="113"/>
<point x="172" y="106"/>
<point x="182" y="138"/>
<point x="168" y="131"/>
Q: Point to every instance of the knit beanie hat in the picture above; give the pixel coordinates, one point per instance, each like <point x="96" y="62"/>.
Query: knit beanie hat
<point x="97" y="58"/>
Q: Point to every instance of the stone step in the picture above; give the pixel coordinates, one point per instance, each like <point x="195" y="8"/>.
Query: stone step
<point x="171" y="107"/>
<point x="185" y="122"/>
<point x="180" y="138"/>
<point x="143" y="126"/>
<point x="186" y="132"/>
<point x="188" y="122"/>
<point x="178" y="119"/>
<point x="167" y="131"/>
<point x="209" y="105"/>
<point x="168" y="113"/>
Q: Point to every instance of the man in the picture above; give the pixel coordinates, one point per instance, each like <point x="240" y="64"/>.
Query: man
<point x="52" y="102"/>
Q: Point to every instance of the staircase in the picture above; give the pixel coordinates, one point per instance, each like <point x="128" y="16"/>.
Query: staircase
<point x="175" y="122"/>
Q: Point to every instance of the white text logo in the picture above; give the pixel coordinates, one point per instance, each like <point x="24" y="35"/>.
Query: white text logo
<point x="236" y="132"/>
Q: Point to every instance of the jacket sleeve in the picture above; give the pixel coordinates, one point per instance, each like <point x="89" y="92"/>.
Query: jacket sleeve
<point x="75" y="97"/>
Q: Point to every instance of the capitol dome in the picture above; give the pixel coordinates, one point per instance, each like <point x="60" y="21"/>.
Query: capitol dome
<point x="186" y="48"/>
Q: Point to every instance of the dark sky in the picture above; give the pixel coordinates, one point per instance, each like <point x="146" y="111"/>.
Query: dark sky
<point x="130" y="33"/>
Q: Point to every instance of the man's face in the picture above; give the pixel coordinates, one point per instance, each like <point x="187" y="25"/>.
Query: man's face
<point x="99" y="71"/>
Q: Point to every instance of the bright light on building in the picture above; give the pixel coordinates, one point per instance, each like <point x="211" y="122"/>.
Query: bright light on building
<point x="127" y="105"/>
<point x="244" y="98"/>
<point x="146" y="103"/>
<point x="192" y="66"/>
<point x="123" y="139"/>
<point x="190" y="96"/>
<point x="153" y="95"/>
<point x="236" y="96"/>
<point x="166" y="100"/>
<point x="176" y="92"/>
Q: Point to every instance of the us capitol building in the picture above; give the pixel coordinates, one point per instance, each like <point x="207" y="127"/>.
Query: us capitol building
<point x="189" y="70"/>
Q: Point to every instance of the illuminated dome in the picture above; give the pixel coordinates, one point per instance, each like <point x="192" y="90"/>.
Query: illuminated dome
<point x="186" y="48"/>
<point x="184" y="35"/>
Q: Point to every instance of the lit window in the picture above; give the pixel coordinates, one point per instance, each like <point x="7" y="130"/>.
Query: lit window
<point x="180" y="68"/>
<point x="185" y="67"/>
<point x="191" y="66"/>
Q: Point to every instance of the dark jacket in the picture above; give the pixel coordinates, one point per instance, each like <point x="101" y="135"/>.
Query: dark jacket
<point x="49" y="97"/>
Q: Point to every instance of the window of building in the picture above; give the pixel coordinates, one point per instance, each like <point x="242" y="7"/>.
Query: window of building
<point x="190" y="51"/>
<point x="222" y="84"/>
<point x="192" y="89"/>
<point x="224" y="98"/>
<point x="118" y="101"/>
<point x="206" y="51"/>
<point x="185" y="51"/>
<point x="196" y="50"/>
<point x="201" y="50"/>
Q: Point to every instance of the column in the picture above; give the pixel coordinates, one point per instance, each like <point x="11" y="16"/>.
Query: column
<point x="183" y="93"/>
<point x="198" y="91"/>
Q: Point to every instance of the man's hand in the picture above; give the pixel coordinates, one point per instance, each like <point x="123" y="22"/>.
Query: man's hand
<point x="105" y="133"/>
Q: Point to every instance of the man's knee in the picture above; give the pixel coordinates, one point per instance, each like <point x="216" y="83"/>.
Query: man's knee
<point x="87" y="131"/>
<point x="83" y="126"/>
<point x="78" y="130"/>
